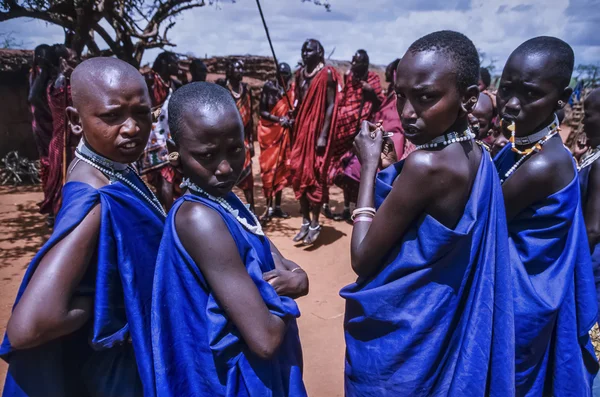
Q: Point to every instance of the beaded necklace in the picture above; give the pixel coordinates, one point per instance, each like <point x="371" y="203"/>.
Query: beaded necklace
<point x="589" y="158"/>
<point x="538" y="147"/>
<point x="530" y="139"/>
<point x="314" y="72"/>
<point x="115" y="172"/>
<point x="447" y="139"/>
<point x="255" y="229"/>
<point x="236" y="95"/>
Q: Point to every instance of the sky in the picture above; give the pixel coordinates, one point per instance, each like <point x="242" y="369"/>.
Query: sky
<point x="385" y="28"/>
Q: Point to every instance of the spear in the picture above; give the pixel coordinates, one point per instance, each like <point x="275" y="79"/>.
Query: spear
<point x="280" y="80"/>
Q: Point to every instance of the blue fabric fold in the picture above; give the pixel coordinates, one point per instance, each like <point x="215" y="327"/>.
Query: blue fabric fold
<point x="584" y="177"/>
<point x="197" y="349"/>
<point x="554" y="294"/>
<point x="110" y="356"/>
<point x="437" y="318"/>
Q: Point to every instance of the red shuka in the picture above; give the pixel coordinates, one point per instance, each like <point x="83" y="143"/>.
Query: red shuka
<point x="349" y="119"/>
<point x="244" y="105"/>
<point x="309" y="170"/>
<point x="274" y="143"/>
<point x="60" y="152"/>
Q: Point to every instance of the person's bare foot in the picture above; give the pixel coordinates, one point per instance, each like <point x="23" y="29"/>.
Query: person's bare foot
<point x="312" y="236"/>
<point x="302" y="233"/>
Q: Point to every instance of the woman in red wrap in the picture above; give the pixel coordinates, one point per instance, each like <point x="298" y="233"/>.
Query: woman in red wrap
<point x="274" y="138"/>
<point x="63" y="143"/>
<point x="311" y="152"/>
<point x="360" y="98"/>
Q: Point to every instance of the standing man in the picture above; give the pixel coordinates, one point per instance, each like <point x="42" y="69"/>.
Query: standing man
<point x="243" y="99"/>
<point x="361" y="97"/>
<point x="274" y="138"/>
<point x="63" y="143"/>
<point x="154" y="163"/>
<point x="41" y="120"/>
<point x="198" y="70"/>
<point x="311" y="153"/>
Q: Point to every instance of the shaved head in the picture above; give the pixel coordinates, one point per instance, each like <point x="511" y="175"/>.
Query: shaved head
<point x="97" y="75"/>
<point x="112" y="106"/>
<point x="201" y="100"/>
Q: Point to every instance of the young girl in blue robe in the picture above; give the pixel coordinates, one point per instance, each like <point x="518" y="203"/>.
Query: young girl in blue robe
<point x="431" y="312"/>
<point x="554" y="295"/>
<point x="80" y="325"/>
<point x="589" y="180"/>
<point x="223" y="314"/>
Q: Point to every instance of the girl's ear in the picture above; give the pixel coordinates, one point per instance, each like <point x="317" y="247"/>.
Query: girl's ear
<point x="174" y="159"/>
<point x="469" y="99"/>
<point x="74" y="121"/>
<point x="564" y="98"/>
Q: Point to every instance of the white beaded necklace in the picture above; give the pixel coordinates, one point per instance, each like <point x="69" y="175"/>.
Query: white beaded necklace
<point x="314" y="72"/>
<point x="536" y="149"/>
<point x="223" y="203"/>
<point x="236" y="95"/>
<point x="447" y="139"/>
<point x="533" y="138"/>
<point x="93" y="161"/>
<point x="589" y="158"/>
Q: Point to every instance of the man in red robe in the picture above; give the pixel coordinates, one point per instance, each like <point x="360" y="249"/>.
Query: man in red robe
<point x="311" y="152"/>
<point x="274" y="138"/>
<point x="243" y="99"/>
<point x="63" y="142"/>
<point x="360" y="98"/>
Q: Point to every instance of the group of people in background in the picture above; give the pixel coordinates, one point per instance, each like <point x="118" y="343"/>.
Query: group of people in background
<point x="474" y="237"/>
<point x="287" y="107"/>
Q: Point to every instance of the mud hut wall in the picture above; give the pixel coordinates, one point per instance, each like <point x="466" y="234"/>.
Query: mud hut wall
<point x="15" y="116"/>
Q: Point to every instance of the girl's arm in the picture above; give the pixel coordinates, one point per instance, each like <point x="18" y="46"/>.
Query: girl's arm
<point x="288" y="279"/>
<point x="208" y="241"/>
<point x="409" y="197"/>
<point x="48" y="310"/>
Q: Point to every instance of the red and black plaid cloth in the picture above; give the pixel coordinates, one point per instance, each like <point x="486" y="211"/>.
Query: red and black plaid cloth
<point x="348" y="120"/>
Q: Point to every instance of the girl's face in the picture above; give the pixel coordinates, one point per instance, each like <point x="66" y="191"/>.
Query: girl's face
<point x="591" y="119"/>
<point x="484" y="113"/>
<point x="211" y="146"/>
<point x="114" y="114"/>
<point x="528" y="94"/>
<point x="429" y="102"/>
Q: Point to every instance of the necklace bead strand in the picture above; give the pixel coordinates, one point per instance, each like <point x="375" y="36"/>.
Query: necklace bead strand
<point x="115" y="175"/>
<point x="589" y="158"/>
<point x="223" y="203"/>
<point x="447" y="139"/>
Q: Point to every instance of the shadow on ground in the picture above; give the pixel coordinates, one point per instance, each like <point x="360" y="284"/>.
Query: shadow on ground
<point x="23" y="228"/>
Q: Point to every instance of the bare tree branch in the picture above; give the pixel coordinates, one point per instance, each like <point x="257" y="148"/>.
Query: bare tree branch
<point x="136" y="25"/>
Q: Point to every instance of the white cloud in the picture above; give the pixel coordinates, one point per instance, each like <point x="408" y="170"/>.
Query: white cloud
<point x="385" y="28"/>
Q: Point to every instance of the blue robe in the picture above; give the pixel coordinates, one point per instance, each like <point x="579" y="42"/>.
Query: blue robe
<point x="584" y="177"/>
<point x="555" y="300"/>
<point x="197" y="349"/>
<point x="99" y="359"/>
<point x="437" y="318"/>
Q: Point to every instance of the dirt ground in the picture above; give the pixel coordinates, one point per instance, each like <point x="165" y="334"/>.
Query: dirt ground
<point x="23" y="231"/>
